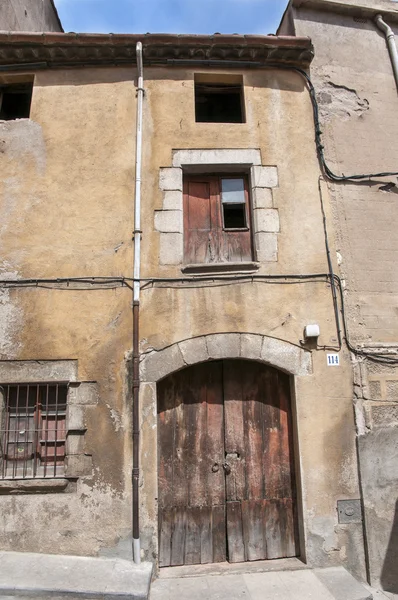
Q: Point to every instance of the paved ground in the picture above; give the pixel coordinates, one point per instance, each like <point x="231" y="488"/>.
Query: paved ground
<point x="317" y="584"/>
<point x="42" y="576"/>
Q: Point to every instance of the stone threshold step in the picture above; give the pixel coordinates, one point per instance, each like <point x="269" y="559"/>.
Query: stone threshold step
<point x="50" y="576"/>
<point x="333" y="583"/>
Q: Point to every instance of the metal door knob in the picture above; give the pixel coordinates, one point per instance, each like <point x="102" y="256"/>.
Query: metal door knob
<point x="227" y="468"/>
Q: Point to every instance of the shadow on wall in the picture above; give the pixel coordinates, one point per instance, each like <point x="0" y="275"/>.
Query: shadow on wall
<point x="389" y="575"/>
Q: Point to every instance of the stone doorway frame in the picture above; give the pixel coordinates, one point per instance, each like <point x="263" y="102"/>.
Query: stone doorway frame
<point x="158" y="364"/>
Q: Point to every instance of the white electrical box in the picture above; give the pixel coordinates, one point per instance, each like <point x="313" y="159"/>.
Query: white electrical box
<point x="311" y="331"/>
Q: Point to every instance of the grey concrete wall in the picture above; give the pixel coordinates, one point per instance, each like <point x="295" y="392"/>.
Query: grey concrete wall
<point x="29" y="15"/>
<point x="358" y="103"/>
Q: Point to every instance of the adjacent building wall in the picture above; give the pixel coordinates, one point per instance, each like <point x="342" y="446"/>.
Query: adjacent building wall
<point x="358" y="102"/>
<point x="29" y="15"/>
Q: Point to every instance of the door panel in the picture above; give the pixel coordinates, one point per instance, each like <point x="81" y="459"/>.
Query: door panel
<point x="258" y="452"/>
<point x="191" y="488"/>
<point x="226" y="483"/>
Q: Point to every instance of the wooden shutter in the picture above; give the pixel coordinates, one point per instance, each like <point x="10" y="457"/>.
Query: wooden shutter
<point x="206" y="240"/>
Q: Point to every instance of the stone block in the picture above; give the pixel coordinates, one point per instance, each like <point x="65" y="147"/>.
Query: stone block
<point x="223" y="345"/>
<point x="266" y="247"/>
<point x="194" y="350"/>
<point x="385" y="416"/>
<point x="375" y="390"/>
<point x="218" y="156"/>
<point x="266" y="219"/>
<point x="78" y="465"/>
<point x="392" y="390"/>
<point x="158" y="365"/>
<point x="251" y="346"/>
<point x="25" y="371"/>
<point x="75" y="443"/>
<point x="168" y="221"/>
<point x="286" y="356"/>
<point x="264" y="177"/>
<point x="171" y="250"/>
<point x="75" y="418"/>
<point x="148" y="404"/>
<point x="83" y="393"/>
<point x="170" y="179"/>
<point x="172" y="200"/>
<point x="262" y="198"/>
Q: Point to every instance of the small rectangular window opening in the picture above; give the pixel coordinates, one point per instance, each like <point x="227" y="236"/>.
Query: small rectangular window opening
<point x="219" y="102"/>
<point x="32" y="430"/>
<point x="15" y="101"/>
<point x="233" y="203"/>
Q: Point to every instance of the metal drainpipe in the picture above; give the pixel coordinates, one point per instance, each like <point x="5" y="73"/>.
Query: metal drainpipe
<point x="392" y="47"/>
<point x="136" y="311"/>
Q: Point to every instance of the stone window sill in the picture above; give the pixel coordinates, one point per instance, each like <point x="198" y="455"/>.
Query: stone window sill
<point x="231" y="267"/>
<point x="36" y="486"/>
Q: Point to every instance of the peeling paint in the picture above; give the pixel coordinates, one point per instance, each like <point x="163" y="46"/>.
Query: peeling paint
<point x="340" y="101"/>
<point x="10" y="316"/>
<point x="23" y="138"/>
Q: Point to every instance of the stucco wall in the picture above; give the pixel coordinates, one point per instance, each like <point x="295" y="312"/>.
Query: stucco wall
<point x="67" y="206"/>
<point x="29" y="15"/>
<point x="358" y="100"/>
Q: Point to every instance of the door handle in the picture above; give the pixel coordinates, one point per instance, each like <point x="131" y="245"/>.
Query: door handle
<point x="215" y="468"/>
<point x="227" y="468"/>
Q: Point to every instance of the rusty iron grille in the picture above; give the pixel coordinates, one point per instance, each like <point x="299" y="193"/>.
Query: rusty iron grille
<point x="32" y="430"/>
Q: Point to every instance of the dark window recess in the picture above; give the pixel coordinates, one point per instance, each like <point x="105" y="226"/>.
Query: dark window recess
<point x="32" y="430"/>
<point x="234" y="216"/>
<point x="15" y="101"/>
<point x="216" y="219"/>
<point x="218" y="103"/>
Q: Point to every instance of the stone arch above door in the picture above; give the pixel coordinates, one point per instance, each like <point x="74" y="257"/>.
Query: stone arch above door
<point x="278" y="353"/>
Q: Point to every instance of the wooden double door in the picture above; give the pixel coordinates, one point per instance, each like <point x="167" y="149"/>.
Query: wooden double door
<point x="226" y="478"/>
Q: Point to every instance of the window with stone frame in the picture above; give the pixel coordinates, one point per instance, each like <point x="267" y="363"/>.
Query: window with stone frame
<point x="32" y="430"/>
<point x="217" y="219"/>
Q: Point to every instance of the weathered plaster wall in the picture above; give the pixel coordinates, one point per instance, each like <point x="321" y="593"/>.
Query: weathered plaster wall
<point x="67" y="211"/>
<point x="29" y="15"/>
<point x="358" y="101"/>
<point x="279" y="124"/>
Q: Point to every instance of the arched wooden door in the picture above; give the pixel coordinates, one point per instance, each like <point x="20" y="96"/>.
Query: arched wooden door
<point x="226" y="480"/>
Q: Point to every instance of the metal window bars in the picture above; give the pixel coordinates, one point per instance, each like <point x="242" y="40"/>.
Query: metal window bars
<point x="32" y="430"/>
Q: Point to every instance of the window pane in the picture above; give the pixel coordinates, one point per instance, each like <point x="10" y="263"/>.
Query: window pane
<point x="234" y="216"/>
<point x="233" y="191"/>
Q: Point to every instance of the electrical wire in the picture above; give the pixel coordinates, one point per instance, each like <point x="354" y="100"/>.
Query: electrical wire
<point x="318" y="136"/>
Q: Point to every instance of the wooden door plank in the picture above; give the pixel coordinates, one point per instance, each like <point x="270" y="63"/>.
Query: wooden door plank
<point x="214" y="451"/>
<point x="236" y="546"/>
<point x="253" y="412"/>
<point x="253" y="529"/>
<point x="234" y="431"/>
<point x="206" y="535"/>
<point x="165" y="527"/>
<point x="193" y="537"/>
<point x="272" y="529"/>
<point x="219" y="533"/>
<point x="178" y="534"/>
<point x="166" y="419"/>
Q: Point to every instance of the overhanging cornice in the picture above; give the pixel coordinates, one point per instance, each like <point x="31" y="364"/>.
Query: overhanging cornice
<point x="57" y="50"/>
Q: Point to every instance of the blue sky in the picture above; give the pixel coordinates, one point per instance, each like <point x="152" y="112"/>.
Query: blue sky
<point x="171" y="16"/>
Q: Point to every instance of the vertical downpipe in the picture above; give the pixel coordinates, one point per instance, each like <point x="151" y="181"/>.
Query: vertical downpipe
<point x="136" y="312"/>
<point x="392" y="47"/>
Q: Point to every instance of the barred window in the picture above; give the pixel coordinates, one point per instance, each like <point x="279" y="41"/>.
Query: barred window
<point x="32" y="430"/>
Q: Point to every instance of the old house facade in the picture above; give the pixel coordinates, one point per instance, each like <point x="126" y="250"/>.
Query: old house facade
<point x="246" y="430"/>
